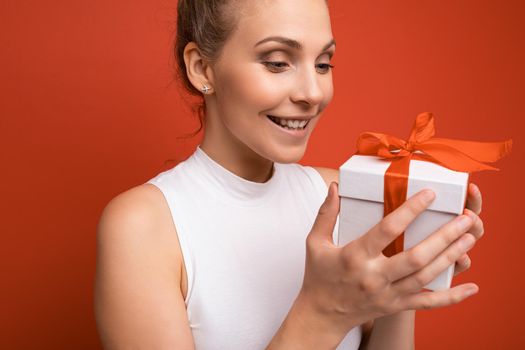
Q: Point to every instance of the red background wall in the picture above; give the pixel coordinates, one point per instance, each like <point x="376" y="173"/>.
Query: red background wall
<point x="87" y="111"/>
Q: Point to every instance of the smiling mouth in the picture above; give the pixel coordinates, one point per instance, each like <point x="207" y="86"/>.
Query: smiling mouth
<point x="289" y="124"/>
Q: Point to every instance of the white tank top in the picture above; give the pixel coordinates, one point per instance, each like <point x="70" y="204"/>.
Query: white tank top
<point x="243" y="245"/>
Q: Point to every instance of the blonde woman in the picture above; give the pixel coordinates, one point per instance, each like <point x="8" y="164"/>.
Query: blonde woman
<point x="232" y="248"/>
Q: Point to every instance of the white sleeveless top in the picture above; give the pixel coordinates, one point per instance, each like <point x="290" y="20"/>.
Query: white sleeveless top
<point x="243" y="245"/>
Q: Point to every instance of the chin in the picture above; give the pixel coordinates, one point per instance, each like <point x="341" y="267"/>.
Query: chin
<point x="288" y="154"/>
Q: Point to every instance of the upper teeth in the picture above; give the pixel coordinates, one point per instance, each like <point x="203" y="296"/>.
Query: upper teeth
<point x="290" y="122"/>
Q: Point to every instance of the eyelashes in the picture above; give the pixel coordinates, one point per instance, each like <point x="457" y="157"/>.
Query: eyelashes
<point x="278" y="66"/>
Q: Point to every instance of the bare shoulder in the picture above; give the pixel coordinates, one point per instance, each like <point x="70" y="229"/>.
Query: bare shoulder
<point x="139" y="214"/>
<point x="328" y="174"/>
<point x="138" y="300"/>
<point x="136" y="204"/>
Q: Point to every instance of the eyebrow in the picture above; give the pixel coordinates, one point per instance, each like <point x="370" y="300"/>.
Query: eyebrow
<point x="290" y="42"/>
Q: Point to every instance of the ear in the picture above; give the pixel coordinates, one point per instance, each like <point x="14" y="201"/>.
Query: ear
<point x="198" y="70"/>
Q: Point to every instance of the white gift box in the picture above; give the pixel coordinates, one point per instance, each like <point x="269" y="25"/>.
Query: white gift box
<point x="361" y="186"/>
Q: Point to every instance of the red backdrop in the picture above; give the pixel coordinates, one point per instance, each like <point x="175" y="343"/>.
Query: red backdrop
<point x="87" y="111"/>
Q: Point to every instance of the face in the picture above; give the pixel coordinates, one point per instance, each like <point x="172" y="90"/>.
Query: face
<point x="290" y="81"/>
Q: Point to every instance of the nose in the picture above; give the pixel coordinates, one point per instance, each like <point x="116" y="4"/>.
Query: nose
<point x="308" y="89"/>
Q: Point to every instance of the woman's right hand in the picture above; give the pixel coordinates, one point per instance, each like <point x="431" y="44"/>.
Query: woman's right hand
<point x="352" y="284"/>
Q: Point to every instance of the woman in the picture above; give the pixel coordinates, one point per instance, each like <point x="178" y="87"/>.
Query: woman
<point x="233" y="247"/>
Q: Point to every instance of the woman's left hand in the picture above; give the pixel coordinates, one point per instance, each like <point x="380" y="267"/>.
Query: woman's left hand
<point x="473" y="209"/>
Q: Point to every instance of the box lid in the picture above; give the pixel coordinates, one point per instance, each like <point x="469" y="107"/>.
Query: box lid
<point x="362" y="177"/>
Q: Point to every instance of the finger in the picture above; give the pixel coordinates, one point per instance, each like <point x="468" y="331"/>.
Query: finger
<point x="420" y="255"/>
<point x="431" y="300"/>
<point x="324" y="224"/>
<point x="474" y="199"/>
<point x="396" y="222"/>
<point x="462" y="264"/>
<point x="477" y="228"/>
<point x="421" y="278"/>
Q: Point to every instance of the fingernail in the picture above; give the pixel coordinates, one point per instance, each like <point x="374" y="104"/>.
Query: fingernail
<point x="471" y="291"/>
<point x="464" y="222"/>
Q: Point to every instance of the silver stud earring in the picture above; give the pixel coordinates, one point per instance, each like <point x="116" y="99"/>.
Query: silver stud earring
<point x="205" y="89"/>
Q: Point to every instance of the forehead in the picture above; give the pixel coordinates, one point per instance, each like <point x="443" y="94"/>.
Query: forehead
<point x="307" y="21"/>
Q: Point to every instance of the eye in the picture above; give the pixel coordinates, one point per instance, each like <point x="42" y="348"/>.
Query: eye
<point x="326" y="67"/>
<point x="275" y="64"/>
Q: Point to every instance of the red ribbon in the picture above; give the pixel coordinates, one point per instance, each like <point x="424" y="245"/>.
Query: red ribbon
<point x="458" y="155"/>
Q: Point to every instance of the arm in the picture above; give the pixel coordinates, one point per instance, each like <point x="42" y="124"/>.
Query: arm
<point x="304" y="329"/>
<point x="397" y="331"/>
<point x="394" y="331"/>
<point x="367" y="331"/>
<point x="346" y="286"/>
<point x="307" y="328"/>
<point x="138" y="300"/>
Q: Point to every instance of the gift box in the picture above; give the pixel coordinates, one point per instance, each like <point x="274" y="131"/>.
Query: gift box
<point x="386" y="170"/>
<point x="361" y="187"/>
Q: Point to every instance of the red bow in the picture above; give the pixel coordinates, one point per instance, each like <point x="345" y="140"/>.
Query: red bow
<point x="458" y="155"/>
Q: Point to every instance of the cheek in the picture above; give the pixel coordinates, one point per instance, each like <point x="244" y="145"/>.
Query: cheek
<point x="252" y="90"/>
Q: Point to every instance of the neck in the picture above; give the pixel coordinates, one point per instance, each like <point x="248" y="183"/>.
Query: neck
<point x="225" y="149"/>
